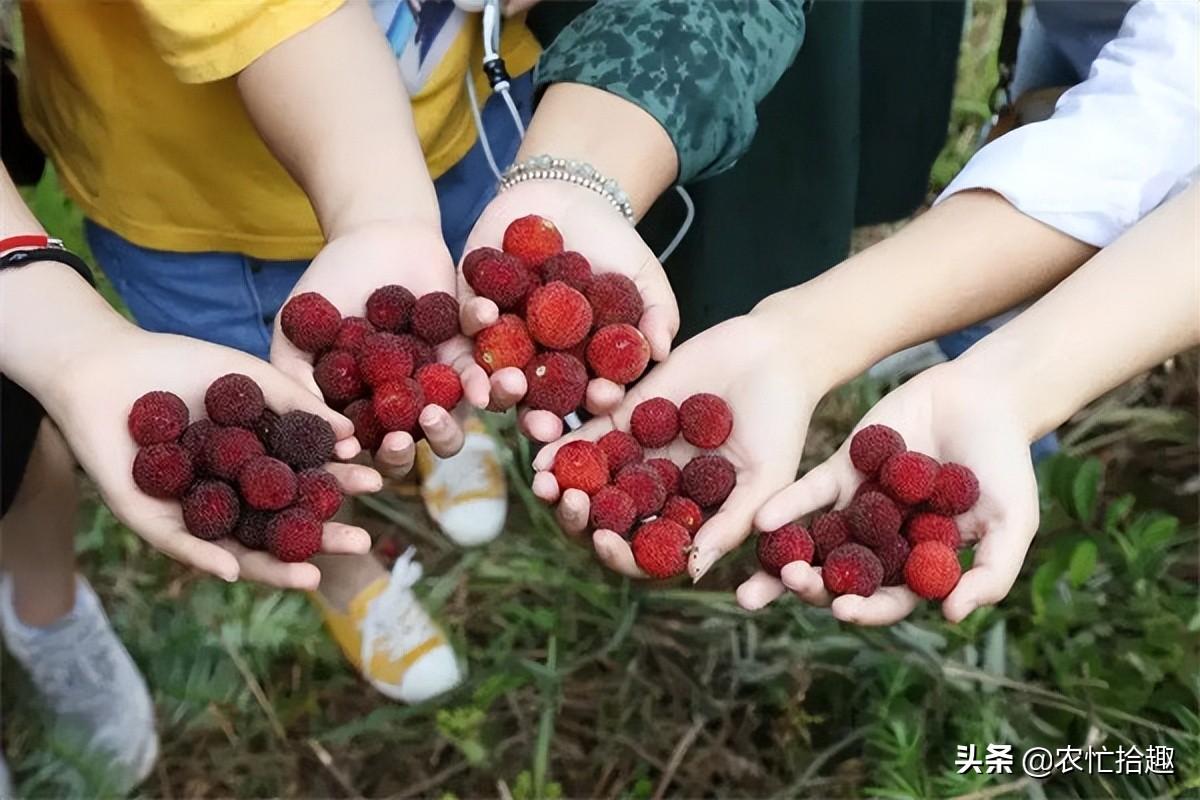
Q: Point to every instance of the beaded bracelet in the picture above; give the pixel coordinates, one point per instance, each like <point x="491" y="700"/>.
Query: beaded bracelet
<point x="580" y="173"/>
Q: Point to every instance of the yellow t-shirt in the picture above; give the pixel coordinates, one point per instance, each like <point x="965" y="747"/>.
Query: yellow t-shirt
<point x="135" y="102"/>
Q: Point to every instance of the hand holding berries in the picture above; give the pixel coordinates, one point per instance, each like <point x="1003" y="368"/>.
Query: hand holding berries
<point x="600" y="269"/>
<point x="937" y="464"/>
<point x="722" y="426"/>
<point x="156" y="391"/>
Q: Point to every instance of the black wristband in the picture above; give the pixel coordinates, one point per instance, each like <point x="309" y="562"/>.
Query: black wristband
<point x="19" y="258"/>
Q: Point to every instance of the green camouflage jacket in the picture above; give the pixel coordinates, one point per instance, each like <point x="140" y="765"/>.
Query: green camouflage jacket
<point x="697" y="66"/>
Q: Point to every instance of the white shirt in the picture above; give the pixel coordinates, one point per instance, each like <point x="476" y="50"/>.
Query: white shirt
<point x="1118" y="144"/>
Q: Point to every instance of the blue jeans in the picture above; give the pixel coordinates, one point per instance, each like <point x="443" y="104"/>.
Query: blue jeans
<point x="232" y="298"/>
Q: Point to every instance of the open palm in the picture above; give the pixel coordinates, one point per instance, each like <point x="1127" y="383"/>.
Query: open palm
<point x="949" y="415"/>
<point x="738" y="361"/>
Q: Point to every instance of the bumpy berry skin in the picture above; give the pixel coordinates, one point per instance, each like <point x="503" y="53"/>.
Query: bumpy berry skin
<point x="532" y="239"/>
<point x="210" y="509"/>
<point x="500" y="277"/>
<point x="157" y="417"/>
<point x="504" y="344"/>
<point x="955" y="490"/>
<point x="660" y="548"/>
<point x="398" y="405"/>
<point x="267" y="484"/>
<point x="615" y="300"/>
<point x="908" y="477"/>
<point x="294" y="535"/>
<point x="569" y="267"/>
<point x="234" y="399"/>
<point x="892" y="554"/>
<point x="873" y="519"/>
<point x="390" y="308"/>
<point x="435" y="317"/>
<point x="556" y="383"/>
<point x="265" y="424"/>
<point x="932" y="570"/>
<point x="336" y="374"/>
<point x="655" y="422"/>
<point x="383" y="358"/>
<point x="226" y="451"/>
<point x="782" y="546"/>
<point x="318" y="491"/>
<point x="310" y="322"/>
<point x="643" y="485"/>
<point x="618" y="353"/>
<point x="852" y="569"/>
<point x="708" y="480"/>
<point x="421" y="351"/>
<point x="440" y="385"/>
<point x="194" y="436"/>
<point x="705" y="420"/>
<point x="163" y="469"/>
<point x="829" y="531"/>
<point x="685" y="512"/>
<point x="613" y="510"/>
<point x="668" y="472"/>
<point x="580" y="465"/>
<point x="367" y="429"/>
<point x="621" y="450"/>
<point x="558" y="316"/>
<point x="473" y="259"/>
<point x="352" y="333"/>
<point x="925" y="526"/>
<point x="867" y="486"/>
<point x="874" y="445"/>
<point x="302" y="440"/>
<point x="251" y="528"/>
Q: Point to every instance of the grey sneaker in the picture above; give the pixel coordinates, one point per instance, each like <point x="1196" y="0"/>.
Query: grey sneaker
<point x="89" y="682"/>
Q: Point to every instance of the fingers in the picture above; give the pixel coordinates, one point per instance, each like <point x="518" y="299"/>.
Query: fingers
<point x="614" y="552"/>
<point x="818" y="488"/>
<point x="442" y="431"/>
<point x="160" y="524"/>
<point x="264" y="568"/>
<point x="477" y="313"/>
<point x="508" y="386"/>
<point x="292" y="362"/>
<point x="887" y="606"/>
<point x="759" y="591"/>
<point x="340" y="539"/>
<point x="545" y="488"/>
<point x="659" y="324"/>
<point x="804" y="581"/>
<point x="730" y="526"/>
<point x="603" y="396"/>
<point x="573" y="511"/>
<point x="460" y="355"/>
<point x="998" y="559"/>
<point x="541" y="426"/>
<point x="396" y="454"/>
<point x="355" y="479"/>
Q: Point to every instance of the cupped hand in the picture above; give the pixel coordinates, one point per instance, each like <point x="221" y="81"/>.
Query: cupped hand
<point x="953" y="416"/>
<point x="346" y="271"/>
<point x="746" y="362"/>
<point x="91" y="404"/>
<point x="591" y="226"/>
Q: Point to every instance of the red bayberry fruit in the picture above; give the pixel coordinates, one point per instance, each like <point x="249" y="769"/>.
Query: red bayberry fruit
<point x="157" y="417"/>
<point x="310" y="322"/>
<point x="932" y="570"/>
<point x="655" y="422"/>
<point x="580" y="465"/>
<point x="533" y="239"/>
<point x="440" y="385"/>
<point x="955" y="490"/>
<point x="660" y="548"/>
<point x="613" y="510"/>
<point x="615" y="300"/>
<point x="618" y="353"/>
<point x="705" y="420"/>
<point x="163" y="469"/>
<point x="556" y="383"/>
<point x="852" y="569"/>
<point x="504" y="344"/>
<point x="908" y="477"/>
<point x="558" y="316"/>
<point x="336" y="374"/>
<point x="872" y="446"/>
<point x="435" y="317"/>
<point x="708" y="480"/>
<point x="621" y="450"/>
<point x="780" y="547"/>
<point x="389" y="308"/>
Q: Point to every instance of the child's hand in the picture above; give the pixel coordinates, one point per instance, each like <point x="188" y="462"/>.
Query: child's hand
<point x="91" y="402"/>
<point x="747" y="361"/>
<point x="346" y="271"/>
<point x="949" y="414"/>
<point x="594" y="228"/>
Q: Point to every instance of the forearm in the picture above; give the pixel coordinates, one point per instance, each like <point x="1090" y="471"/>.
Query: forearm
<point x="332" y="106"/>
<point x="969" y="258"/>
<point x="612" y="134"/>
<point x="1130" y="307"/>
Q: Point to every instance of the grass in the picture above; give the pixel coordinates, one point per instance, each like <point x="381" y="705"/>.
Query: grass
<point x="584" y="685"/>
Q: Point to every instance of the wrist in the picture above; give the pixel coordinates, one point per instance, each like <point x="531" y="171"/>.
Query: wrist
<point x="798" y="336"/>
<point x="557" y="200"/>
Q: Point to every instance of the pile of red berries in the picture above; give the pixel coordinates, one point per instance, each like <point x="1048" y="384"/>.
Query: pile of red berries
<point x="670" y="502"/>
<point x="560" y="322"/>
<point x="898" y="529"/>
<point x="245" y="471"/>
<point x="379" y="370"/>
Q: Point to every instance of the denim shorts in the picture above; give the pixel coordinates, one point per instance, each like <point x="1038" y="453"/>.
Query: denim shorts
<point x="232" y="298"/>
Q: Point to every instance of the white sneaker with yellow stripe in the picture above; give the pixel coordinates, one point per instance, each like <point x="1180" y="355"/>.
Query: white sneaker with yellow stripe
<point x="391" y="640"/>
<point x="466" y="494"/>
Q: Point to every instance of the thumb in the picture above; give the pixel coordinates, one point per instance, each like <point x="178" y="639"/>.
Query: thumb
<point x="998" y="559"/>
<point x="816" y="489"/>
<point x="160" y="524"/>
<point x="660" y="319"/>
<point x="293" y="362"/>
